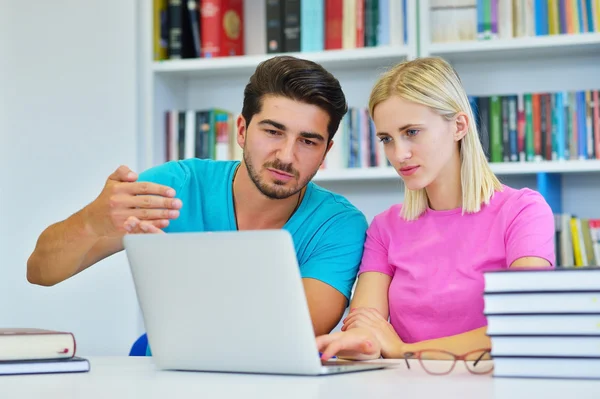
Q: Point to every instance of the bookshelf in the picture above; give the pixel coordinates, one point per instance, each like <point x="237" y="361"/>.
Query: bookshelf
<point x="501" y="169"/>
<point x="523" y="47"/>
<point x="491" y="67"/>
<point x="362" y="58"/>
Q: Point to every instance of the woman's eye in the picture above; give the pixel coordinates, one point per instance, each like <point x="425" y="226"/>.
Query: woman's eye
<point x="385" y="139"/>
<point x="412" y="132"/>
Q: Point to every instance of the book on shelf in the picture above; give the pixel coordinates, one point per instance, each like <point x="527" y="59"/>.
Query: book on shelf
<point x="543" y="316"/>
<point x="576" y="241"/>
<point x="218" y="28"/>
<point x="34" y="351"/>
<point x="204" y="134"/>
<point x="546" y="126"/>
<point x="460" y="20"/>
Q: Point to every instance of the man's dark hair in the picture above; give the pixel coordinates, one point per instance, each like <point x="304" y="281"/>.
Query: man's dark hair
<point x="299" y="80"/>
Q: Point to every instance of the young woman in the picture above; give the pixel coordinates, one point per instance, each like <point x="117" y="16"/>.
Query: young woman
<point x="424" y="260"/>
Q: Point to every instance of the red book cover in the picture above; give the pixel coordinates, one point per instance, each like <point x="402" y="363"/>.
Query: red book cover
<point x="334" y="15"/>
<point x="222" y="25"/>
<point x="360" y="23"/>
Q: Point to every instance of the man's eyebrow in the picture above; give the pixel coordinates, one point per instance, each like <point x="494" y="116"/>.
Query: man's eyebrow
<point x="282" y="127"/>
<point x="273" y="123"/>
<point x="311" y="135"/>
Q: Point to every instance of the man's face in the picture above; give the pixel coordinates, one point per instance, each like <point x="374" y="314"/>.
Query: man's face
<point x="284" y="145"/>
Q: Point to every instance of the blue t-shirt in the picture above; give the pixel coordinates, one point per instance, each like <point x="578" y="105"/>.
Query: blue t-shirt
<point x="327" y="230"/>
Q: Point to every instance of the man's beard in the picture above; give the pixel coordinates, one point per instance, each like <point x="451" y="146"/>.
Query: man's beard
<point x="276" y="191"/>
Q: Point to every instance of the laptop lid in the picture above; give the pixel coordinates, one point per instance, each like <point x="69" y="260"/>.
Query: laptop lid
<point x="223" y="301"/>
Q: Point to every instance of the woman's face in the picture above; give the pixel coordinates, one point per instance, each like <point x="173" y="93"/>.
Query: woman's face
<point x="418" y="142"/>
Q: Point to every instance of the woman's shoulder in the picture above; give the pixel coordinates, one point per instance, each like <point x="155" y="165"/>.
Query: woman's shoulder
<point x="388" y="219"/>
<point x="518" y="196"/>
<point x="514" y="201"/>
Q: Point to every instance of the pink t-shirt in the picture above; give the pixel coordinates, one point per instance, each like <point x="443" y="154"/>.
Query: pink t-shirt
<point x="437" y="261"/>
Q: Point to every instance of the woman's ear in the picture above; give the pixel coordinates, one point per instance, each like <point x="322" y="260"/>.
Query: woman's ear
<point x="462" y="126"/>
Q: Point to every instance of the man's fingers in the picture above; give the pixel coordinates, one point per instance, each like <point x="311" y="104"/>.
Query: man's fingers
<point x="155" y="214"/>
<point x="152" y="201"/>
<point x="147" y="188"/>
<point x="123" y="174"/>
<point x="149" y="228"/>
<point x="134" y="226"/>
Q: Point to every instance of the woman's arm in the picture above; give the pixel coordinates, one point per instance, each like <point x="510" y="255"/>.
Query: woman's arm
<point x="372" y="292"/>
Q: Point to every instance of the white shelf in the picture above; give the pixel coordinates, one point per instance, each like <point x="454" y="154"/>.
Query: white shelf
<point x="330" y="59"/>
<point x="523" y="47"/>
<point x="508" y="168"/>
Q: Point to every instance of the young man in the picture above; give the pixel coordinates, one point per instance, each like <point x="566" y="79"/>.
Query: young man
<point x="292" y="109"/>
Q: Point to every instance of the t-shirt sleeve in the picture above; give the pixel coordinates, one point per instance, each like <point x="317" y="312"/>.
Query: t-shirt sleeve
<point x="530" y="231"/>
<point x="375" y="255"/>
<point x="336" y="259"/>
<point x="172" y="174"/>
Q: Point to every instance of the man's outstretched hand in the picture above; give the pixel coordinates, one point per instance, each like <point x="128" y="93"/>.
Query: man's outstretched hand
<point x="146" y="207"/>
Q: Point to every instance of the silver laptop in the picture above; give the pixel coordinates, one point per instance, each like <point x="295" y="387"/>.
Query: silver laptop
<point x="227" y="302"/>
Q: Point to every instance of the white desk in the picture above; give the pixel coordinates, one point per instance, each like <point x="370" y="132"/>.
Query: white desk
<point x="130" y="377"/>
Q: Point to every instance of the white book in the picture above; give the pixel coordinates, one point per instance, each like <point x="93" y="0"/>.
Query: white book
<point x="553" y="346"/>
<point x="543" y="324"/>
<point x="549" y="303"/>
<point x="559" y="279"/>
<point x="546" y="367"/>
<point x="396" y="23"/>
<point x="190" y="134"/>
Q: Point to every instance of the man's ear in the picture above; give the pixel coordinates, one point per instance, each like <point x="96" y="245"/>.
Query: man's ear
<point x="326" y="151"/>
<point x="462" y="126"/>
<point x="241" y="131"/>
<point x="328" y="148"/>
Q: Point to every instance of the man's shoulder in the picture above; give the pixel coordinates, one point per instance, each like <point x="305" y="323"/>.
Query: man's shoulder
<point x="179" y="173"/>
<point x="202" y="167"/>
<point x="331" y="203"/>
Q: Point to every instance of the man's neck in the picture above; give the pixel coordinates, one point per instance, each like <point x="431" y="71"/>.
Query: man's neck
<point x="253" y="210"/>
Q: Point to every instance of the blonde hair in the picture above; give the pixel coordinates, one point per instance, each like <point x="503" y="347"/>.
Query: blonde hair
<point x="433" y="82"/>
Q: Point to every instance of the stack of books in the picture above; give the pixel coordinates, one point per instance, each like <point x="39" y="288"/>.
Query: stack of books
<point x="38" y="351"/>
<point x="544" y="323"/>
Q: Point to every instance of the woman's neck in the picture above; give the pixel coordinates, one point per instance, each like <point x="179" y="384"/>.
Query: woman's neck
<point x="445" y="192"/>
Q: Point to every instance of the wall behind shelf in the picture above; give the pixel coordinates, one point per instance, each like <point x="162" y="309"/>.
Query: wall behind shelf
<point x="68" y="120"/>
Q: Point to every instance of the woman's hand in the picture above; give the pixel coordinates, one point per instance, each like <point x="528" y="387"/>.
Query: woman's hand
<point x="370" y="319"/>
<point x="356" y="344"/>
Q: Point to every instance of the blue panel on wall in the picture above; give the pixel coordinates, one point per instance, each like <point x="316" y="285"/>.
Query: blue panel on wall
<point x="550" y="186"/>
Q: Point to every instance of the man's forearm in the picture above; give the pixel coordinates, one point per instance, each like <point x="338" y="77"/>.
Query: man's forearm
<point x="60" y="251"/>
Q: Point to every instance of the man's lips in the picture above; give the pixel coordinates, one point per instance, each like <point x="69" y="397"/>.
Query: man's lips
<point x="280" y="172"/>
